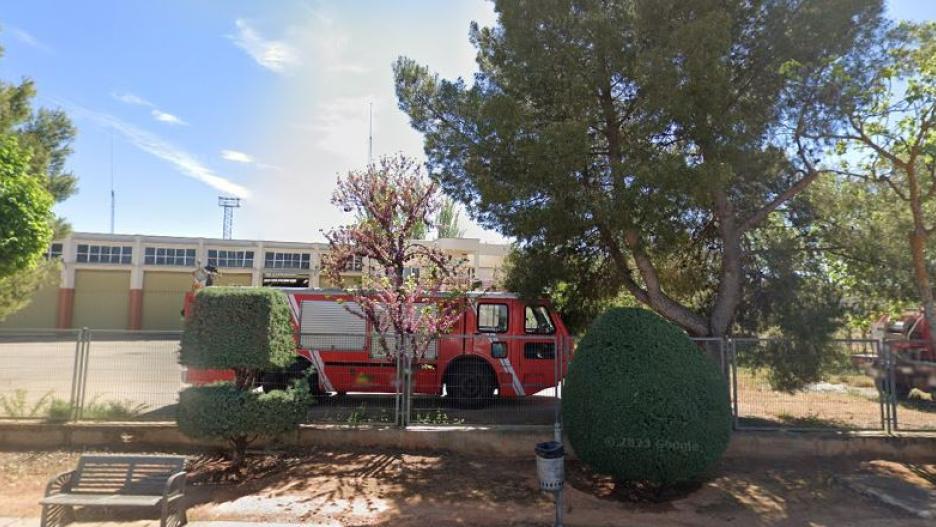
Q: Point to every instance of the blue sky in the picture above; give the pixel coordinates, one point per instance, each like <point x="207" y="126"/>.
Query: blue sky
<point x="235" y="97"/>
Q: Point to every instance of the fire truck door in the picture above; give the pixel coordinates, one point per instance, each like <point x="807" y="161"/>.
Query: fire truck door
<point x="537" y="351"/>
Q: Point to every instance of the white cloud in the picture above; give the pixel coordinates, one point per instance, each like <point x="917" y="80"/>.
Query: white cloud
<point x="274" y="55"/>
<point x="329" y="41"/>
<point x="28" y="38"/>
<point x="165" y="117"/>
<point x="237" y="156"/>
<point x="156" y="113"/>
<point x="183" y="161"/>
<point x="130" y="98"/>
<point x="340" y="126"/>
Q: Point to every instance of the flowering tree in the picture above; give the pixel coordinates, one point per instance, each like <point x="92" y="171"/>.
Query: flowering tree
<point x="411" y="292"/>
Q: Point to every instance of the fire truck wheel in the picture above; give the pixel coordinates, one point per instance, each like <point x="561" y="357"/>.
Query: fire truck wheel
<point x="470" y="385"/>
<point x="901" y="389"/>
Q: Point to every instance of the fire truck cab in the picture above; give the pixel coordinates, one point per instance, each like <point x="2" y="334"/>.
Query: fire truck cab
<point x="501" y="346"/>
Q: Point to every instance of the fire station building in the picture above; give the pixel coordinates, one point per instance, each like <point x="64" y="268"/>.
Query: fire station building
<point x="125" y="281"/>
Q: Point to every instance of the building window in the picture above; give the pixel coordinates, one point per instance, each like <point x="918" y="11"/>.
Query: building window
<point x="223" y="258"/>
<point x="55" y="251"/>
<point x="106" y="254"/>
<point x="275" y="260"/>
<point x="169" y="256"/>
<point x="356" y="265"/>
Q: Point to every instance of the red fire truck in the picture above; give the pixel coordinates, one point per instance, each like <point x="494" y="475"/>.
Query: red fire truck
<point x="908" y="337"/>
<point x="502" y="345"/>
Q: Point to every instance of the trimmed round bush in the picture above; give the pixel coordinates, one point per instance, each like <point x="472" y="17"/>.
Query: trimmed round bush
<point x="221" y="412"/>
<point x="643" y="403"/>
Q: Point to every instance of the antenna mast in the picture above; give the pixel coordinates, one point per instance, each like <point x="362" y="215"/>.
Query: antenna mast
<point x="370" y="134"/>
<point x="228" y="204"/>
<point x="113" y="195"/>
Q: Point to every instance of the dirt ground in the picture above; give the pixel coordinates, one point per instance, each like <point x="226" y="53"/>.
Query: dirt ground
<point x="386" y="488"/>
<point x="843" y="401"/>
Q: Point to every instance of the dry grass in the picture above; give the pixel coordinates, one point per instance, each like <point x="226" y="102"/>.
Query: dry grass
<point x="847" y="401"/>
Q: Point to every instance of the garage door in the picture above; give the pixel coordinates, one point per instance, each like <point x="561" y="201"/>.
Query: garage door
<point x="163" y="297"/>
<point x="41" y="312"/>
<point x="102" y="299"/>
<point x="234" y="279"/>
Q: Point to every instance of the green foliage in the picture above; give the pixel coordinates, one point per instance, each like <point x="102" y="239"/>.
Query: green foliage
<point x="59" y="411"/>
<point x="46" y="133"/>
<point x="246" y="329"/>
<point x="17" y="290"/>
<point x="25" y="211"/>
<point x="633" y="146"/>
<point x="860" y="233"/>
<point x="883" y="94"/>
<point x="43" y="143"/>
<point x="447" y="221"/>
<point x="116" y="410"/>
<point x="222" y="412"/>
<point x="643" y="403"/>
<point x="791" y="364"/>
<point x="437" y="417"/>
<point x="18" y="406"/>
<point x="239" y="328"/>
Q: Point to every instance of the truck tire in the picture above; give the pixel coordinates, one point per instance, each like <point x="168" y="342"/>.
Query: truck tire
<point x="901" y="389"/>
<point x="470" y="385"/>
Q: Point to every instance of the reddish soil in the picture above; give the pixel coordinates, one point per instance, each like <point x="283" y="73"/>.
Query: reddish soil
<point x="438" y="489"/>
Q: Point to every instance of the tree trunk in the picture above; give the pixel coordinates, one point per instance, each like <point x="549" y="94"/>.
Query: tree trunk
<point x="244" y="378"/>
<point x="239" y="446"/>
<point x="918" y="239"/>
<point x="729" y="281"/>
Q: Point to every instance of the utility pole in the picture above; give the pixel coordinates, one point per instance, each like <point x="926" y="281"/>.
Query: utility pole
<point x="228" y="204"/>
<point x="370" y="134"/>
<point x="113" y="195"/>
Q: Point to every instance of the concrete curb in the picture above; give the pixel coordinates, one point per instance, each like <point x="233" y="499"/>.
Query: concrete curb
<point x="6" y="521"/>
<point x="917" y="504"/>
<point x="505" y="440"/>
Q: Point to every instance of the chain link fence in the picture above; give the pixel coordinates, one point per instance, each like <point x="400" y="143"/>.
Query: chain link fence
<point x="482" y="379"/>
<point x="454" y="380"/>
<point x="38" y="372"/>
<point x="910" y="385"/>
<point x="844" y="396"/>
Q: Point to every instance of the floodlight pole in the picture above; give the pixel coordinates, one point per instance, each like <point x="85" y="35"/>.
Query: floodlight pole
<point x="228" y="204"/>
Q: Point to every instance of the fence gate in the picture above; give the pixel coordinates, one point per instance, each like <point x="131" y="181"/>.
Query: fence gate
<point x="911" y="386"/>
<point x="855" y="392"/>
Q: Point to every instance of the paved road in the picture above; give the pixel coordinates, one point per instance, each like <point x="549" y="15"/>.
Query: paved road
<point x="145" y="374"/>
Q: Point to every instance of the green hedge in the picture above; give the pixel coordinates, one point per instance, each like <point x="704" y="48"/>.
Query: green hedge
<point x="238" y="327"/>
<point x="221" y="412"/>
<point x="643" y="403"/>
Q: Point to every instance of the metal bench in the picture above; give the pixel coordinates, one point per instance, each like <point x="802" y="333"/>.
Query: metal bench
<point x="118" y="481"/>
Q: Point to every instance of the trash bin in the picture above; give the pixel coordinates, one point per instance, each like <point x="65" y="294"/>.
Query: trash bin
<point x="550" y="465"/>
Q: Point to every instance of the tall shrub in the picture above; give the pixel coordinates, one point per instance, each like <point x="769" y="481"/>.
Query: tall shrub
<point x="245" y="330"/>
<point x="643" y="403"/>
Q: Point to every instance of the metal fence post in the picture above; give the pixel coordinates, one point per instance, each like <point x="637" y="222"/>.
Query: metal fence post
<point x="892" y="388"/>
<point x="407" y="389"/>
<point x="76" y="376"/>
<point x="83" y="383"/>
<point x="398" y="392"/>
<point x="881" y="384"/>
<point x="732" y="346"/>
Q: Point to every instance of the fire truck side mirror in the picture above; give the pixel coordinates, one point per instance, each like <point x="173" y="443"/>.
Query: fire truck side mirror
<point x="498" y="350"/>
